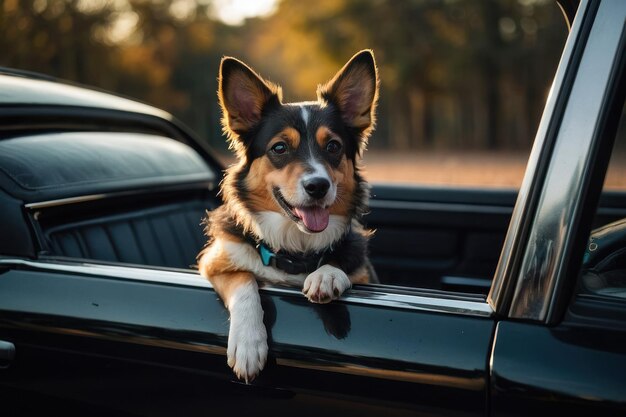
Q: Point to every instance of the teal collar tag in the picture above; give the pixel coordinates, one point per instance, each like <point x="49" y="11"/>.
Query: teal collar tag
<point x="266" y="254"/>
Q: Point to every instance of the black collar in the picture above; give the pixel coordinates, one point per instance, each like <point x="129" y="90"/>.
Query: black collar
<point x="292" y="263"/>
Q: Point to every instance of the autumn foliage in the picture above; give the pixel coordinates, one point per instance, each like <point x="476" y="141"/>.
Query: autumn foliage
<point x="462" y="75"/>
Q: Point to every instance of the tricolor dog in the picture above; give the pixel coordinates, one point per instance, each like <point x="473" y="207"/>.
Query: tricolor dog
<point x="293" y="201"/>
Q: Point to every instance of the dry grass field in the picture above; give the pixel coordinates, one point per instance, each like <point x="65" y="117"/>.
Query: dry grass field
<point x="446" y="168"/>
<point x="482" y="169"/>
<point x="466" y="169"/>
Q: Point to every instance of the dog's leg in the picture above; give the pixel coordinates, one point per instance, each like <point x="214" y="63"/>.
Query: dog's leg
<point x="247" y="338"/>
<point x="325" y="284"/>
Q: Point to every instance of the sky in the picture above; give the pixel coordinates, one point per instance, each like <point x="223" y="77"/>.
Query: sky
<point x="234" y="12"/>
<point x="230" y="12"/>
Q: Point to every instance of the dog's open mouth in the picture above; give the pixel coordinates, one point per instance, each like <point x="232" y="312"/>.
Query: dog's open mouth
<point x="314" y="218"/>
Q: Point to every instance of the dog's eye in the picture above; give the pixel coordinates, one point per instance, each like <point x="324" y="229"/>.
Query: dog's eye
<point x="334" y="146"/>
<point x="279" y="148"/>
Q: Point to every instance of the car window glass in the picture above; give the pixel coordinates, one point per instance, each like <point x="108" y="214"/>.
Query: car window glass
<point x="604" y="263"/>
<point x="616" y="172"/>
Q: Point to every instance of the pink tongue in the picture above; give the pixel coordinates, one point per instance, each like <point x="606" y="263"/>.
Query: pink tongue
<point x="314" y="218"/>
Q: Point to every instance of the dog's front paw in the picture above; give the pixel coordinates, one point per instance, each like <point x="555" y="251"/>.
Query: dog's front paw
<point x="325" y="284"/>
<point x="247" y="338"/>
<point x="247" y="349"/>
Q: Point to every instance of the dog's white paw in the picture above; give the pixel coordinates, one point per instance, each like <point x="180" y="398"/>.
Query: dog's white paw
<point x="325" y="284"/>
<point x="247" y="350"/>
<point x="247" y="338"/>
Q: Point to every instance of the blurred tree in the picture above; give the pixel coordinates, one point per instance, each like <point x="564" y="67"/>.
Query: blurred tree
<point x="456" y="74"/>
<point x="448" y="67"/>
<point x="54" y="37"/>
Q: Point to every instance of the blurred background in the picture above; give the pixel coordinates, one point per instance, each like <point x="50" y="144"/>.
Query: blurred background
<point x="464" y="82"/>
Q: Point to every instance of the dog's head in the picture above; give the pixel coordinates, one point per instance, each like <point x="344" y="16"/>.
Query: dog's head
<point x="299" y="159"/>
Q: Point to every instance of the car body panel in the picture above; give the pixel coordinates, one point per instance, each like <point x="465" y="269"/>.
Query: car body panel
<point x="345" y="351"/>
<point x="569" y="370"/>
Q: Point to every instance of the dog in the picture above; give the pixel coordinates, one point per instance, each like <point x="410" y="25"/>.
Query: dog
<point x="293" y="202"/>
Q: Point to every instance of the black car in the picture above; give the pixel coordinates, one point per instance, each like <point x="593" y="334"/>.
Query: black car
<point x="492" y="302"/>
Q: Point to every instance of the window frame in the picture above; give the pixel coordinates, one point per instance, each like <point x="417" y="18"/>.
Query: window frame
<point x="397" y="297"/>
<point x="564" y="178"/>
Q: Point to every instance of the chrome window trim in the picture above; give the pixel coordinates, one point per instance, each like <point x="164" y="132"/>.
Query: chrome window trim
<point x="506" y="274"/>
<point x="202" y="183"/>
<point x="440" y="207"/>
<point x="192" y="278"/>
<point x="550" y="244"/>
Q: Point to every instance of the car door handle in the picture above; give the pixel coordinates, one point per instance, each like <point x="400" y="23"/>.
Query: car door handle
<point x="7" y="353"/>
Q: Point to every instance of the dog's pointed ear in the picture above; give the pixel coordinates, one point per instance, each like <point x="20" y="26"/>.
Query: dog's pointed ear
<point x="354" y="90"/>
<point x="243" y="95"/>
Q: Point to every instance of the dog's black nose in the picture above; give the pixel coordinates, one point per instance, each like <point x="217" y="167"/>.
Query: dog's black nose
<point x="317" y="187"/>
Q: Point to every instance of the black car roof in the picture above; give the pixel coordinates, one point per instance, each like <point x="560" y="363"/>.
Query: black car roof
<point x="25" y="88"/>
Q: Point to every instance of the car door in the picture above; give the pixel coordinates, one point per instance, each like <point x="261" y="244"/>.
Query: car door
<point x="562" y="345"/>
<point x="115" y="339"/>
